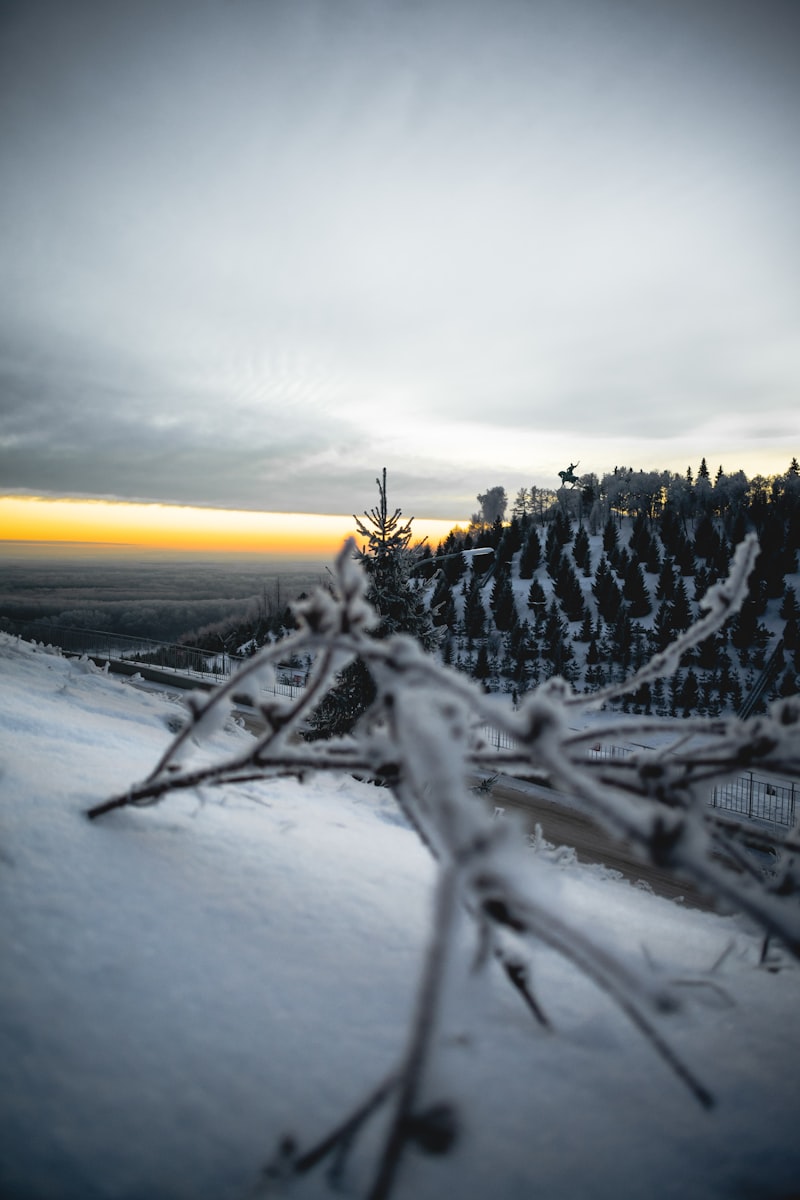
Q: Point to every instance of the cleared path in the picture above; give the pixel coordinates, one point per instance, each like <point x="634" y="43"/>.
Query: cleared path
<point x="563" y="825"/>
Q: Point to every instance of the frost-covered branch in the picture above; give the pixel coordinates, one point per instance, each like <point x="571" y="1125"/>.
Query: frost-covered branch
<point x="421" y="735"/>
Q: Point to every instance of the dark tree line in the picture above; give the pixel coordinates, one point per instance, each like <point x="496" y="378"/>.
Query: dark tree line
<point x="615" y="575"/>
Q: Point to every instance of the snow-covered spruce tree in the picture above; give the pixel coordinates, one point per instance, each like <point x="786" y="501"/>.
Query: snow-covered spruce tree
<point x="531" y="554"/>
<point x="388" y="561"/>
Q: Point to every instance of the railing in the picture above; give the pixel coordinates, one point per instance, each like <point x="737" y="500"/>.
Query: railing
<point x="749" y="795"/>
<point x="767" y="799"/>
<point x="147" y="652"/>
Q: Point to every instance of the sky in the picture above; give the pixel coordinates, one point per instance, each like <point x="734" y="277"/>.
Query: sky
<point x="38" y="526"/>
<point x="252" y="252"/>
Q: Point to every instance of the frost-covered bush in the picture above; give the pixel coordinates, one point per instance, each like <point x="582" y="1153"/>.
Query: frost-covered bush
<point x="424" y="737"/>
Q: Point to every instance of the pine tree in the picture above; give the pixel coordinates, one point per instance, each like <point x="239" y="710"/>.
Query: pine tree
<point x="689" y="693"/>
<point x="556" y="647"/>
<point x="531" y="555"/>
<point x="443" y="609"/>
<point x="586" y="632"/>
<point x="705" y="539"/>
<point x="653" y="562"/>
<point x="722" y="557"/>
<point x="788" y="684"/>
<point x="568" y="590"/>
<point x="640" y="537"/>
<point x="502" y="601"/>
<point x="482" y="669"/>
<point x="666" y="580"/>
<point x="580" y="549"/>
<point x="562" y="527"/>
<point x="520" y="650"/>
<point x="639" y="647"/>
<point x="474" y="613"/>
<point x="708" y="653"/>
<point x="513" y="535"/>
<point x="681" y="615"/>
<point x="387" y="561"/>
<point x="537" y="601"/>
<point x="684" y="557"/>
<point x="606" y="592"/>
<point x="670" y="529"/>
<point x="776" y="559"/>
<point x="610" y="536"/>
<point x="552" y="550"/>
<point x="659" y="704"/>
<point x="701" y="583"/>
<point x="620" y="560"/>
<point x="635" y="591"/>
<point x="745" y="626"/>
<point x="555" y="631"/>
<point x="453" y="564"/>
<point x="622" y="639"/>
<point x="662" y="632"/>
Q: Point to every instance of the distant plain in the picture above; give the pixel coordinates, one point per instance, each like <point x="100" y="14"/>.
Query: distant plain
<point x="156" y="594"/>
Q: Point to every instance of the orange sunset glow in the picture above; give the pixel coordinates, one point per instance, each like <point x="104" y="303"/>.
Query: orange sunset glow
<point x="183" y="529"/>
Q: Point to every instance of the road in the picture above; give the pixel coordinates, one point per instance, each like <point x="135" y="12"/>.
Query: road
<point x="563" y="825"/>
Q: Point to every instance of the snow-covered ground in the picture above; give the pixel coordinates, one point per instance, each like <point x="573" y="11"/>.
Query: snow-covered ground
<point x="182" y="985"/>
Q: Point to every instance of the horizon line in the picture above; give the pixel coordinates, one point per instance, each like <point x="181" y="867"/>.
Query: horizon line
<point x="128" y="526"/>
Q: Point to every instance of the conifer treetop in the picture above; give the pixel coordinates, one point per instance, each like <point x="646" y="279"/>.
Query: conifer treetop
<point x="387" y="535"/>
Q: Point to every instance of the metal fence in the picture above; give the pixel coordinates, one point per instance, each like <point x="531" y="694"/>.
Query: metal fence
<point x="205" y="665"/>
<point x="99" y="643"/>
<point x="769" y="800"/>
<point x="749" y="795"/>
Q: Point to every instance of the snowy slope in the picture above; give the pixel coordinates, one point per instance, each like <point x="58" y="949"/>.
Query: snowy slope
<point x="182" y="985"/>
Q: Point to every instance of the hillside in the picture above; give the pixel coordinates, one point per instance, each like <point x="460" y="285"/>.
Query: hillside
<point x="184" y="984"/>
<point x="609" y="573"/>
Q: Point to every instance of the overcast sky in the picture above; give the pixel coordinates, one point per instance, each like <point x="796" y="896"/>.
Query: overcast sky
<point x="253" y="251"/>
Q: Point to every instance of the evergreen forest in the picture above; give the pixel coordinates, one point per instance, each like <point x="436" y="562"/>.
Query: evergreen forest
<point x="588" y="582"/>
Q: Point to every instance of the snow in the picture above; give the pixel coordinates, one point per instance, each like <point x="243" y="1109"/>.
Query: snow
<point x="182" y="985"/>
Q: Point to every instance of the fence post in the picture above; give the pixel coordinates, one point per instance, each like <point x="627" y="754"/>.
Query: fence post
<point x="750" y="796"/>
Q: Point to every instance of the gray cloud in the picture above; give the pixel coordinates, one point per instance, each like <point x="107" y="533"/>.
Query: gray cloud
<point x="252" y="252"/>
